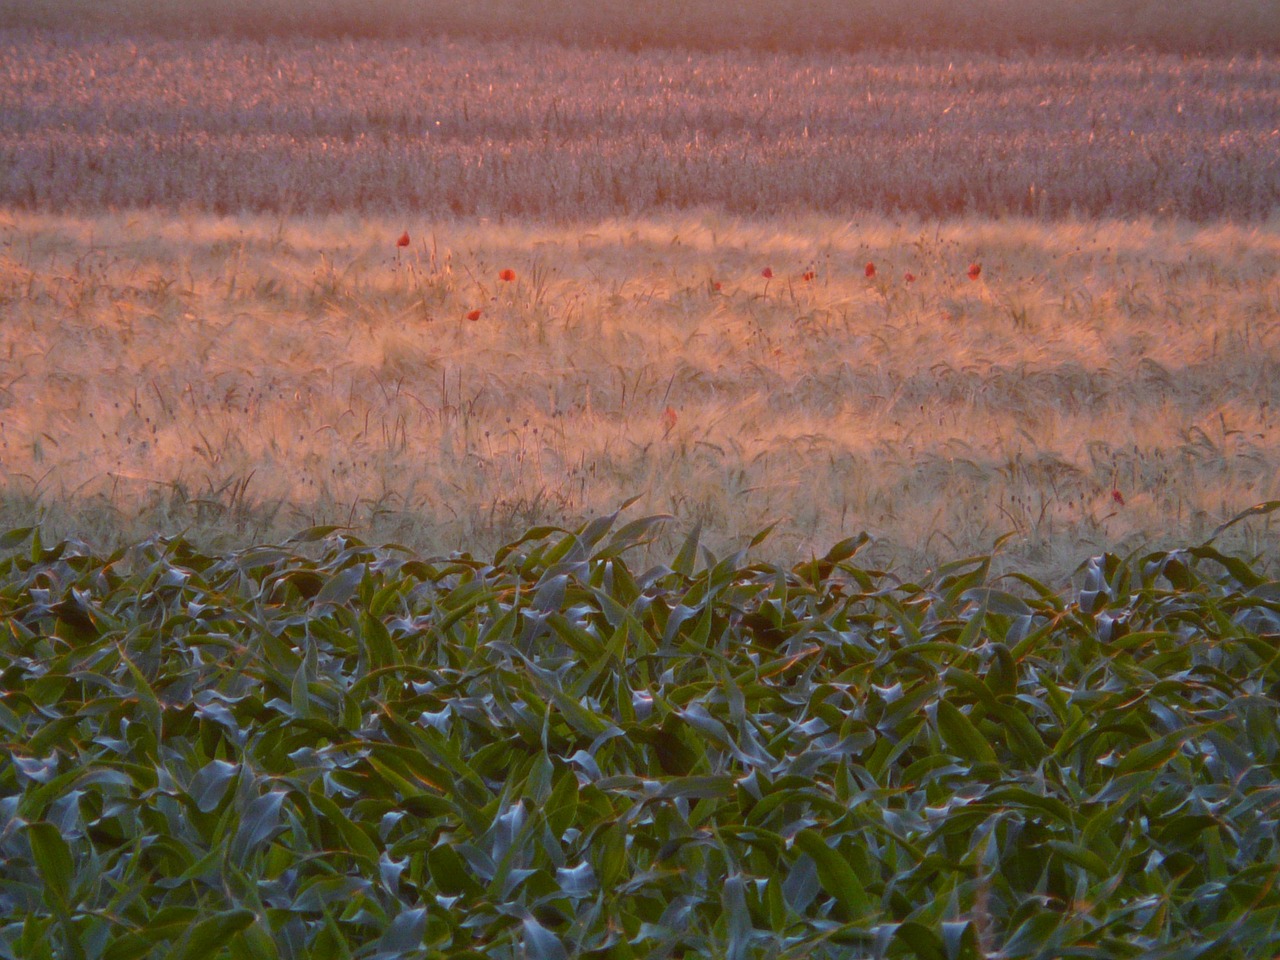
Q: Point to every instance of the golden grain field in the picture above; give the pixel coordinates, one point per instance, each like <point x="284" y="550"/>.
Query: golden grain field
<point x="739" y="291"/>
<point x="549" y="478"/>
<point x="1098" y="386"/>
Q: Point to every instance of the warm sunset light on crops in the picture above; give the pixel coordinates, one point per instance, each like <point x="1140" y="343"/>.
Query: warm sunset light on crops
<point x="1002" y="192"/>
<point x="593" y="479"/>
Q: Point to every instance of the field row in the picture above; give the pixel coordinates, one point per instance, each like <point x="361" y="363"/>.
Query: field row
<point x="798" y="25"/>
<point x="501" y="129"/>
<point x="569" y="750"/>
<point x="1097" y="384"/>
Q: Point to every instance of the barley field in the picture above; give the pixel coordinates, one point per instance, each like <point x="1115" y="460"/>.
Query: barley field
<point x="1099" y="384"/>
<point x="533" y="130"/>
<point x="1009" y="26"/>
<point x="521" y="481"/>
<point x="209" y="325"/>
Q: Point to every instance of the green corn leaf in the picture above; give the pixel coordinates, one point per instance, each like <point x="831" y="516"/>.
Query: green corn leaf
<point x="54" y="862"/>
<point x="835" y="873"/>
<point x="210" y="935"/>
<point x="685" y="560"/>
<point x="961" y="736"/>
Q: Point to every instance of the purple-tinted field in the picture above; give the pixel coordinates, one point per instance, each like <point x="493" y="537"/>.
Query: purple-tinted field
<point x="540" y="130"/>
<point x="1005" y="26"/>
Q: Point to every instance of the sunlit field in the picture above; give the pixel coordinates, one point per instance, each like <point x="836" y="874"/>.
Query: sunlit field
<point x="639" y="481"/>
<point x="209" y="324"/>
<point x="1097" y="385"/>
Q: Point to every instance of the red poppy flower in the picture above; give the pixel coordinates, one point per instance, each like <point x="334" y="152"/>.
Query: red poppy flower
<point x="909" y="277"/>
<point x="716" y="286"/>
<point x="668" y="419"/>
<point x="404" y="239"/>
<point x="767" y="273"/>
<point x="473" y="315"/>
<point x="807" y="276"/>
<point x="870" y="269"/>
<point x="507" y="275"/>
<point x="975" y="271"/>
<point x="1118" y="497"/>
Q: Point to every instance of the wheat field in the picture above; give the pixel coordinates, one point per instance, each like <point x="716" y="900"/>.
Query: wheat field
<point x="1100" y="385"/>
<point x="517" y="129"/>
<point x="549" y="478"/>
<point x="207" y="323"/>
<point x="1005" y="26"/>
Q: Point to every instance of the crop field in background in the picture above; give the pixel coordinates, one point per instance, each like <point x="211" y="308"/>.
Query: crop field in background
<point x="1231" y="26"/>
<point x="537" y="130"/>
<point x="208" y="322"/>
<point x="1098" y="384"/>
